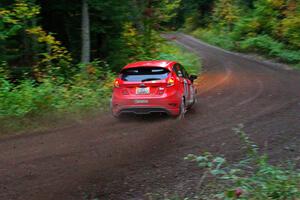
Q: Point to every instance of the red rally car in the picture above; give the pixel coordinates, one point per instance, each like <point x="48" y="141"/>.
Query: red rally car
<point x="153" y="86"/>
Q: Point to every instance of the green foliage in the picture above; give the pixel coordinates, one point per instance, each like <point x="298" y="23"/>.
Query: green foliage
<point x="22" y="41"/>
<point x="15" y="19"/>
<point x="251" y="178"/>
<point x="57" y="61"/>
<point x="195" y="13"/>
<point x="166" y="10"/>
<point x="215" y="37"/>
<point x="226" y="13"/>
<point x="191" y="22"/>
<point x="268" y="46"/>
<point x="261" y="43"/>
<point x="89" y="89"/>
<point x="291" y="29"/>
<point x="132" y="48"/>
<point x="246" y="27"/>
<point x="267" y="14"/>
<point x="265" y="27"/>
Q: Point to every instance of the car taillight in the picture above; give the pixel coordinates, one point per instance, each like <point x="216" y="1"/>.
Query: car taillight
<point x="117" y="83"/>
<point x="171" y="82"/>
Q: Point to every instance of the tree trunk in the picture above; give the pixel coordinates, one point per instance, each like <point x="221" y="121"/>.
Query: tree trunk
<point x="86" y="43"/>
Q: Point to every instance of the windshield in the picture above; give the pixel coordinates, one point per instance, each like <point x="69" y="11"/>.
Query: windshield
<point x="142" y="74"/>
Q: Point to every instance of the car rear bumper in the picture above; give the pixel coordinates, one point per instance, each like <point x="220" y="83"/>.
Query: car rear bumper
<point x="144" y="110"/>
<point x="167" y="104"/>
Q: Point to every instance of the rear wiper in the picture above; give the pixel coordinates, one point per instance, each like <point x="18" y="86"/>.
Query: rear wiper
<point x="150" y="79"/>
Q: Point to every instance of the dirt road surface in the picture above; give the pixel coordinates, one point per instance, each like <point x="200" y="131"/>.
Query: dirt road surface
<point x="127" y="159"/>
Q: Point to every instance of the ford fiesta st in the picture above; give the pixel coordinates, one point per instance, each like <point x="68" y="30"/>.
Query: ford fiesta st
<point x="153" y="86"/>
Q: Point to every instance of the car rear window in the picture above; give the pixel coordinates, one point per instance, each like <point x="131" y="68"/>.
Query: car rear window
<point x="144" y="74"/>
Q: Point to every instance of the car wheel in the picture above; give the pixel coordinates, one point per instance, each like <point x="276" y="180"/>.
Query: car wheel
<point x="182" y="110"/>
<point x="192" y="104"/>
<point x="111" y="110"/>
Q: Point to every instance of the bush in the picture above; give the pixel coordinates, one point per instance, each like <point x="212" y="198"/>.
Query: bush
<point x="261" y="43"/>
<point x="211" y="36"/>
<point x="267" y="45"/>
<point x="246" y="27"/>
<point x="251" y="178"/>
<point x="87" y="90"/>
<point x="291" y="28"/>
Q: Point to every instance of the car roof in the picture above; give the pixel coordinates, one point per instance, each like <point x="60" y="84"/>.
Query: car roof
<point x="152" y="63"/>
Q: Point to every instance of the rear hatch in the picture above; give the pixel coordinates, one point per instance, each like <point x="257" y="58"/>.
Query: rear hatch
<point x="144" y="81"/>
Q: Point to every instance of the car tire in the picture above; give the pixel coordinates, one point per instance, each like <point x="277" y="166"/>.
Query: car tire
<point x="111" y="110"/>
<point x="182" y="110"/>
<point x="195" y="100"/>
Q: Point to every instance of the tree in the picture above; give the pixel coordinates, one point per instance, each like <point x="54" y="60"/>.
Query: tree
<point x="194" y="13"/>
<point x="16" y="46"/>
<point x="290" y="25"/>
<point x="86" y="41"/>
<point x="226" y="13"/>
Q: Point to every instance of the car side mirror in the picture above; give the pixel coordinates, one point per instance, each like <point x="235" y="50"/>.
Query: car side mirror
<point x="193" y="77"/>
